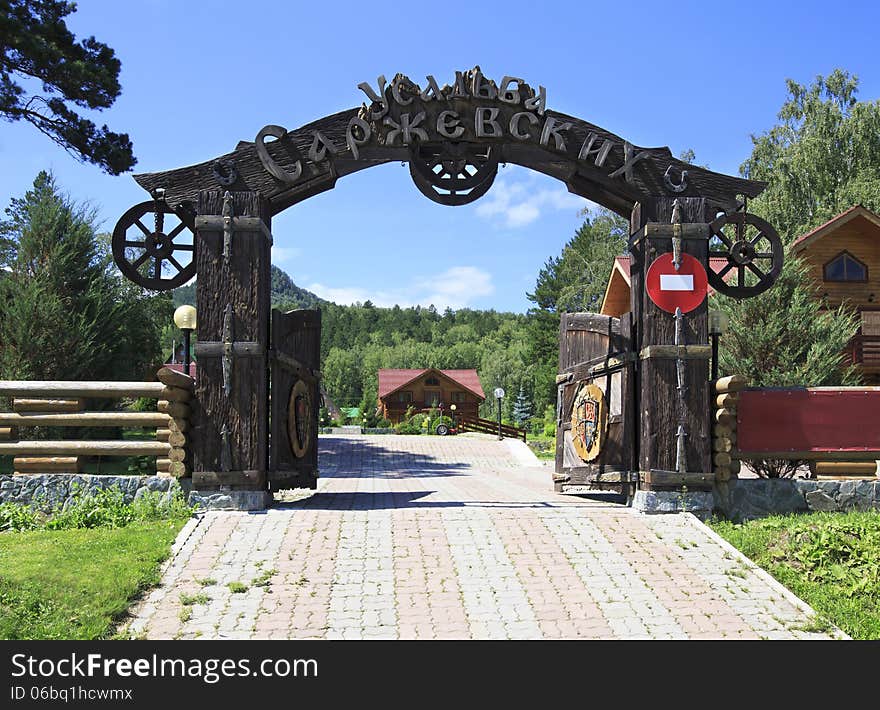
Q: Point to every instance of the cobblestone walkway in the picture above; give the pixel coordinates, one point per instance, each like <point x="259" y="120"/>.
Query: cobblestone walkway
<point x="458" y="537"/>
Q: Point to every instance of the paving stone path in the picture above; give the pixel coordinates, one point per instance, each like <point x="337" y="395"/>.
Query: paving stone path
<point x="418" y="537"/>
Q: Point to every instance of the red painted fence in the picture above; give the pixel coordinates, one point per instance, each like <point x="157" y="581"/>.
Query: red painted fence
<point x="811" y="422"/>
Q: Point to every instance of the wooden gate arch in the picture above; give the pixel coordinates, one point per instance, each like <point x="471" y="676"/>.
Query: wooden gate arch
<point x="454" y="137"/>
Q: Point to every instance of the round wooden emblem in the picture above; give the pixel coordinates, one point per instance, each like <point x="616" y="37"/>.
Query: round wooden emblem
<point x="589" y="418"/>
<point x="299" y="419"/>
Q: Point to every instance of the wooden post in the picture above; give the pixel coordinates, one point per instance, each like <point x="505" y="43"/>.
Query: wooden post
<point x="229" y="438"/>
<point x="656" y="388"/>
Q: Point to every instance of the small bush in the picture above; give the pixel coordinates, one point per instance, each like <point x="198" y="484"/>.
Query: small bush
<point x="18" y="517"/>
<point x="105" y="508"/>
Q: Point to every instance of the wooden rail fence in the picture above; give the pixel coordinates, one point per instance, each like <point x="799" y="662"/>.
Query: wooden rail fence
<point x="487" y="426"/>
<point x="830" y="427"/>
<point x="63" y="404"/>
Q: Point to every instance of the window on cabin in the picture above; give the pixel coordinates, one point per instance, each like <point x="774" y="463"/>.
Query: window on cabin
<point x="459" y="397"/>
<point x="432" y="399"/>
<point x="404" y="397"/>
<point x="845" y="267"/>
<point x="432" y="382"/>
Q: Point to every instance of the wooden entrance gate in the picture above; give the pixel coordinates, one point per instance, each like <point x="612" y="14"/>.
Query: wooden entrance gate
<point x="454" y="138"/>
<point x="594" y="412"/>
<point x="295" y="399"/>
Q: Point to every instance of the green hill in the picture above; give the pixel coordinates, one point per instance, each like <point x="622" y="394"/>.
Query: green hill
<point x="286" y="295"/>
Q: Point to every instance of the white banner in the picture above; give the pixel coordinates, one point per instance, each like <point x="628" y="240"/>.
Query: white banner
<point x="676" y="282"/>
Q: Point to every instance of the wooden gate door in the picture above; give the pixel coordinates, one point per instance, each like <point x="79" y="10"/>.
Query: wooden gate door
<point x="295" y="399"/>
<point x="594" y="409"/>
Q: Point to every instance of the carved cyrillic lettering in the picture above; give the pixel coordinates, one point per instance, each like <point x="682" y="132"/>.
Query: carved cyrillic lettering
<point x="601" y="152"/>
<point x="395" y="92"/>
<point x="459" y="90"/>
<point x="432" y="91"/>
<point x="482" y="87"/>
<point x="376" y="98"/>
<point x="449" y="125"/>
<point x="509" y="96"/>
<point x="630" y="158"/>
<point x="351" y="138"/>
<point x="320" y="147"/>
<point x="484" y="117"/>
<point x="538" y="103"/>
<point x="406" y="128"/>
<point x="552" y="127"/>
<point x="516" y="123"/>
<point x="273" y="168"/>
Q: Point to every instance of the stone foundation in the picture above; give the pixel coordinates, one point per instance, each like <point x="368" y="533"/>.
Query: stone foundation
<point x="750" y="498"/>
<point x="231" y="500"/>
<point x="53" y="491"/>
<point x="700" y="503"/>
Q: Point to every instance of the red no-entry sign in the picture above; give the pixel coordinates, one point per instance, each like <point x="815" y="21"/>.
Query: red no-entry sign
<point x="683" y="288"/>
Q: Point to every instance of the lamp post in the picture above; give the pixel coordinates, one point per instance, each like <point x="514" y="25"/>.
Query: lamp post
<point x="499" y="395"/>
<point x="185" y="319"/>
<point x="718" y="322"/>
<point x="452" y="409"/>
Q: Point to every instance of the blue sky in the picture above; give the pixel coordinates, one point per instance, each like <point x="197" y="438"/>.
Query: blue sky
<point x="199" y="76"/>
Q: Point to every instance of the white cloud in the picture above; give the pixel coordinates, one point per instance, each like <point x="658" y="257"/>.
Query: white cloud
<point x="519" y="204"/>
<point x="282" y="255"/>
<point x="457" y="287"/>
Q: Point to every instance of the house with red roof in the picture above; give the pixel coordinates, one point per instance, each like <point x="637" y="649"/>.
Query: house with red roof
<point x="429" y="388"/>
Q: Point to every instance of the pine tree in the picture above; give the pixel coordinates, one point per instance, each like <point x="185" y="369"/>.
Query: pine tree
<point x="522" y="408"/>
<point x="37" y="46"/>
<point x="67" y="313"/>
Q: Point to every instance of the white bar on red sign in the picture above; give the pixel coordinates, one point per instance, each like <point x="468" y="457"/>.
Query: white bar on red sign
<point x="676" y="282"/>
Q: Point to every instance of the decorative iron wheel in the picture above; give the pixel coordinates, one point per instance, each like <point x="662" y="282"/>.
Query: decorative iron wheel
<point x="750" y="245"/>
<point x="453" y="173"/>
<point x="144" y="255"/>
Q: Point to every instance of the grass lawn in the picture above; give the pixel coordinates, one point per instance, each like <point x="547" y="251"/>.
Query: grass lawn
<point x="544" y="447"/>
<point x="77" y="583"/>
<point x="830" y="560"/>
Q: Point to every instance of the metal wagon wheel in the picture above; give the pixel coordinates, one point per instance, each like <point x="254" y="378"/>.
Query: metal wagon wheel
<point x="154" y="247"/>
<point x="453" y="173"/>
<point x="753" y="246"/>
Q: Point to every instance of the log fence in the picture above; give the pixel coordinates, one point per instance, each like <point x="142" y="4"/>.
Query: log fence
<point x="63" y="404"/>
<point x="824" y="426"/>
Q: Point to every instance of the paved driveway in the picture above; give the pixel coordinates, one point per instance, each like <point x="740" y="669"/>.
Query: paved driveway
<point x="457" y="537"/>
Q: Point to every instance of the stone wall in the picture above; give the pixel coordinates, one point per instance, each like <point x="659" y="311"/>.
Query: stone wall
<point x="750" y="498"/>
<point x="52" y="490"/>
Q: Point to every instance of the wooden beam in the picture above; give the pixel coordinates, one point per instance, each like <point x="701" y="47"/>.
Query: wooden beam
<point x="844" y="468"/>
<point x="674" y="479"/>
<point x="685" y="352"/>
<point x="48" y="405"/>
<point x="808" y="455"/>
<point x="731" y="383"/>
<point x="47" y="464"/>
<point x="173" y="378"/>
<point x="86" y="448"/>
<point x="50" y="389"/>
<point x="215" y="479"/>
<point x="727" y="399"/>
<point x="87" y="419"/>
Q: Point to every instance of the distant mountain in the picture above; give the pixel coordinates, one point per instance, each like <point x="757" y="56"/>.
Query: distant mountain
<point x="286" y="295"/>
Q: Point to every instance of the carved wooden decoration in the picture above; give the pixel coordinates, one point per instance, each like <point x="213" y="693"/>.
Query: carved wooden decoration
<point x="401" y="120"/>
<point x="589" y="419"/>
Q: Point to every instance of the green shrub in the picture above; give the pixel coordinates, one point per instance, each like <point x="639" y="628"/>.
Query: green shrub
<point x="105" y="508"/>
<point x="14" y="516"/>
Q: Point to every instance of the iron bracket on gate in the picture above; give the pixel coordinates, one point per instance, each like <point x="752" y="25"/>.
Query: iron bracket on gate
<point x="229" y="224"/>
<point x="228" y="349"/>
<point x="660" y="230"/>
<point x="295" y="366"/>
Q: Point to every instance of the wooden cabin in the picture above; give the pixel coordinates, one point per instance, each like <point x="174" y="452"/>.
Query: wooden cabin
<point x="427" y="389"/>
<point x="843" y="256"/>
